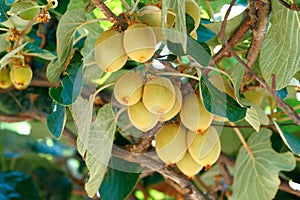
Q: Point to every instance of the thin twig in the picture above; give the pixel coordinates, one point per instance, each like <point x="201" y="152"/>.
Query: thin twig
<point x="290" y="6"/>
<point x="281" y="104"/>
<point x="242" y="139"/>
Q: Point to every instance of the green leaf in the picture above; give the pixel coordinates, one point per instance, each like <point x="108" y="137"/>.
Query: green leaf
<point x="279" y="54"/>
<point x="252" y="118"/>
<point x="22" y="7"/>
<point x="178" y="33"/>
<point x="220" y="103"/>
<point x="3" y="43"/>
<point x="66" y="29"/>
<point x="197" y="52"/>
<point x="232" y="24"/>
<point x="70" y="87"/>
<point x="96" y="144"/>
<point x="3" y="9"/>
<point x="17" y="186"/>
<point x="257" y="177"/>
<point x="118" y="184"/>
<point x="56" y="120"/>
<point x="5" y="59"/>
<point x="289" y="139"/>
<point x="33" y="50"/>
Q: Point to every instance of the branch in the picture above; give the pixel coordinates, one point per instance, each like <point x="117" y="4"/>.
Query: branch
<point x="118" y="20"/>
<point x="290" y="6"/>
<point x="187" y="187"/>
<point x="281" y="104"/>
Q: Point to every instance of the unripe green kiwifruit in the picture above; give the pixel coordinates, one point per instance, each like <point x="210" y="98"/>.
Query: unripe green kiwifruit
<point x="5" y="81"/>
<point x="141" y="118"/>
<point x="193" y="113"/>
<point x="170" y="143"/>
<point x="188" y="165"/>
<point x="159" y="95"/>
<point x="129" y="88"/>
<point x="193" y="10"/>
<point x="176" y="107"/>
<point x="200" y="145"/>
<point x="139" y="42"/>
<point x="109" y="52"/>
<point x="21" y="76"/>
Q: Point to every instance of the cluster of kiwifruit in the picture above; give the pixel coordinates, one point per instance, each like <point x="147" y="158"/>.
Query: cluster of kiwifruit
<point x="192" y="145"/>
<point x="148" y="102"/>
<point x="138" y="41"/>
<point x="19" y="76"/>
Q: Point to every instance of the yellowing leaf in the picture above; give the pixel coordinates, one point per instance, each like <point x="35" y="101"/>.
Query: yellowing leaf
<point x="257" y="177"/>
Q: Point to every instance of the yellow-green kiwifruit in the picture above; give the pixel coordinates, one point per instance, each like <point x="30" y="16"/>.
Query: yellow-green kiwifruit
<point x="5" y="81"/>
<point x="21" y="76"/>
<point x="151" y="15"/>
<point x="170" y="143"/>
<point x="176" y="107"/>
<point x="109" y="52"/>
<point x="200" y="145"/>
<point x="141" y="118"/>
<point x="212" y="156"/>
<point x="192" y="9"/>
<point x="128" y="89"/>
<point x="159" y="95"/>
<point x="188" y="165"/>
<point x="193" y="113"/>
<point x="139" y="42"/>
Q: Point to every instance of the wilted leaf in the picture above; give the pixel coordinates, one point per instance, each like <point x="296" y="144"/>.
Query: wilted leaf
<point x="257" y="177"/>
<point x="279" y="54"/>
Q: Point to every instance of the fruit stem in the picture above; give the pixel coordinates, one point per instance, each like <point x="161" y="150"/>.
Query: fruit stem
<point x="103" y="87"/>
<point x="179" y="74"/>
<point x="134" y="7"/>
<point x="242" y="139"/>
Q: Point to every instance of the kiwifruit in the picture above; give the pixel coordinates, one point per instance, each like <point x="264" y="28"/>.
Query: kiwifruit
<point x="176" y="107"/>
<point x="170" y="143"/>
<point x="188" y="165"/>
<point x="159" y="95"/>
<point x="139" y="42"/>
<point x="21" y="76"/>
<point x="200" y="145"/>
<point x="110" y="60"/>
<point x="212" y="156"/>
<point x="5" y="81"/>
<point x="141" y="118"/>
<point x="151" y="15"/>
<point x="193" y="113"/>
<point x="192" y="9"/>
<point x="129" y="88"/>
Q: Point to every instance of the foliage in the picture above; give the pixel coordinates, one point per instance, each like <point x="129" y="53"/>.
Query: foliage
<point x="250" y="88"/>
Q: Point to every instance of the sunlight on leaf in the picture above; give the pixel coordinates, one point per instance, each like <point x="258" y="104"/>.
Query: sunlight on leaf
<point x="252" y="118"/>
<point x="56" y="120"/>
